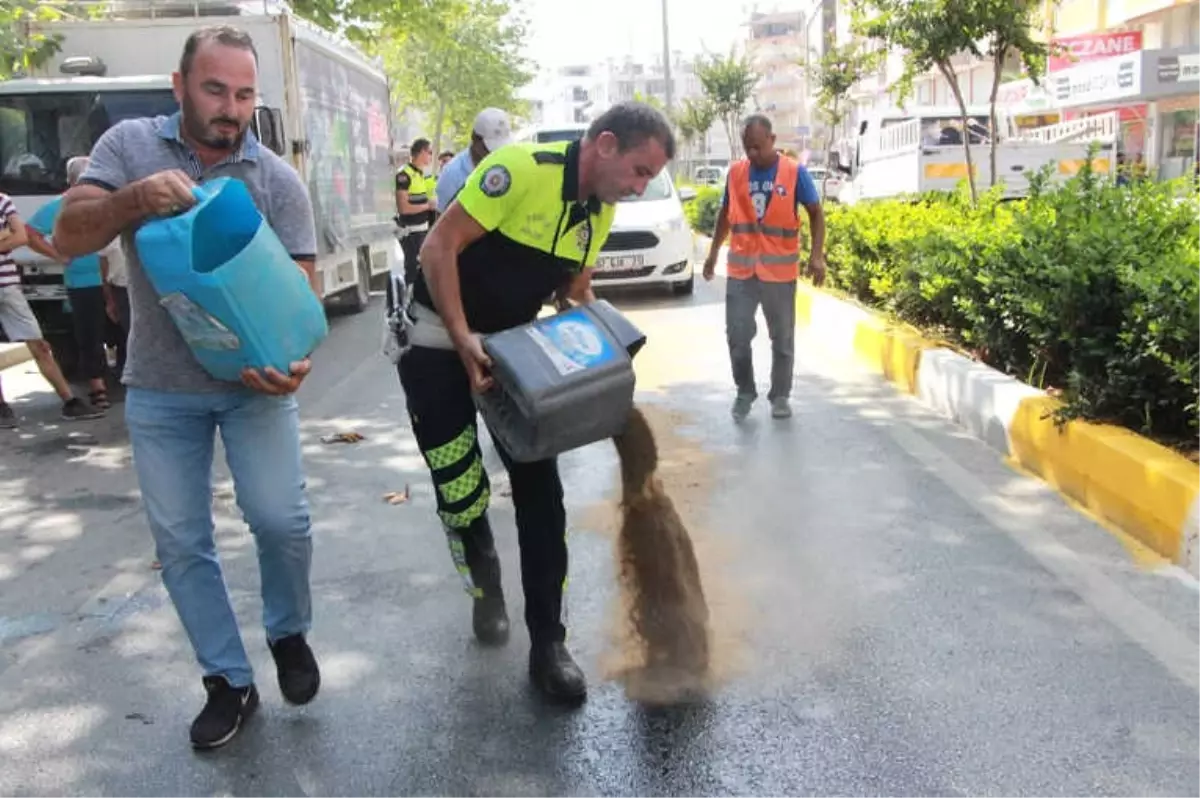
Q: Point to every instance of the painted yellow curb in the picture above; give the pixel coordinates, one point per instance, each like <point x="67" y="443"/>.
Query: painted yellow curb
<point x="893" y="350"/>
<point x="1141" y="486"/>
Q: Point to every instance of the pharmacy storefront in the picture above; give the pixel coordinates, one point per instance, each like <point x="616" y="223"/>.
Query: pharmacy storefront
<point x="1155" y="93"/>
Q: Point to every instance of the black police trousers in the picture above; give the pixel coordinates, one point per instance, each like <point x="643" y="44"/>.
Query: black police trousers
<point x="444" y="421"/>
<point x="410" y="245"/>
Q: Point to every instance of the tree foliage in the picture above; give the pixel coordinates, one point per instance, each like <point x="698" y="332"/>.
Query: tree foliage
<point x="727" y="83"/>
<point x="931" y="33"/>
<point x="840" y="69"/>
<point x="23" y="47"/>
<point x="365" y="21"/>
<point x="1009" y="29"/>
<point x="454" y="64"/>
<point x="693" y="119"/>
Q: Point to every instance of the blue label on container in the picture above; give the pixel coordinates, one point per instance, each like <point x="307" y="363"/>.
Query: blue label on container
<point x="572" y="341"/>
<point x="199" y="328"/>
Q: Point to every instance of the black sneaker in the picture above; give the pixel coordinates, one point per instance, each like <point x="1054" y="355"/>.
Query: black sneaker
<point x="75" y="409"/>
<point x="296" y="667"/>
<point x="8" y="419"/>
<point x="224" y="713"/>
<point x="555" y="673"/>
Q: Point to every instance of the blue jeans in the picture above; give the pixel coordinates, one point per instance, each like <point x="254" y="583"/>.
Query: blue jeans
<point x="173" y="437"/>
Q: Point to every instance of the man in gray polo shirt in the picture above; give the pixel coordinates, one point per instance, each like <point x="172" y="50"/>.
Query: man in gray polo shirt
<point x="142" y="168"/>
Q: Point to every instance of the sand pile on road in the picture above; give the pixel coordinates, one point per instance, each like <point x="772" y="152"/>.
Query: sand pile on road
<point x="659" y="577"/>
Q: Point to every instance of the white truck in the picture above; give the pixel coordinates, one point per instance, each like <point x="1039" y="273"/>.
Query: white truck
<point x="898" y="154"/>
<point x="323" y="106"/>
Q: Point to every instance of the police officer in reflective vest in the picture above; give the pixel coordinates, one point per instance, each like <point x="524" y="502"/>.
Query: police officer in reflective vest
<point x="414" y="204"/>
<point x="528" y="223"/>
<point x="760" y="210"/>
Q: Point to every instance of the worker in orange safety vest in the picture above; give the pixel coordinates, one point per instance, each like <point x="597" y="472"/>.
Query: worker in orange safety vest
<point x="760" y="209"/>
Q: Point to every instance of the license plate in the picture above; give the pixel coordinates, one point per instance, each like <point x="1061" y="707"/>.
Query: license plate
<point x="618" y="263"/>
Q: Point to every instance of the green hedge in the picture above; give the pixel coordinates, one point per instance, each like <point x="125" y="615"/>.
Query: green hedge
<point x="702" y="211"/>
<point x="1088" y="289"/>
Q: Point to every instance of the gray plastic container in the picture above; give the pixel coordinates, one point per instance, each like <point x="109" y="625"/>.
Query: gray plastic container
<point x="561" y="382"/>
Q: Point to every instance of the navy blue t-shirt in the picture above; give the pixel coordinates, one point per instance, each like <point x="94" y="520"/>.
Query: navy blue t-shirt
<point x="762" y="185"/>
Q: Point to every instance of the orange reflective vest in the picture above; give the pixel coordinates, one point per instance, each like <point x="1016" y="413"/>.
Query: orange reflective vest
<point x="768" y="249"/>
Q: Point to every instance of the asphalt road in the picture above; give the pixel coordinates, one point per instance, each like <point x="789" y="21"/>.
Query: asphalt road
<point x="895" y="610"/>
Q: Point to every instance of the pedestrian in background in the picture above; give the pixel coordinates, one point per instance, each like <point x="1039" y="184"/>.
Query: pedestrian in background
<point x="763" y="193"/>
<point x="491" y="131"/>
<point x="414" y="204"/>
<point x="21" y="326"/>
<point x="84" y="278"/>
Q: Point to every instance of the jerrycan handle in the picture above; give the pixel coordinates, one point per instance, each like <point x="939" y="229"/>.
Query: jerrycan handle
<point x="200" y="193"/>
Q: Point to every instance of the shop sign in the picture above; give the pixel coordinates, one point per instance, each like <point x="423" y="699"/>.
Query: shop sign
<point x="1014" y="92"/>
<point x="1127" y="113"/>
<point x="1023" y="95"/>
<point x="1097" y="81"/>
<point x="1179" y="68"/>
<point x="1093" y="47"/>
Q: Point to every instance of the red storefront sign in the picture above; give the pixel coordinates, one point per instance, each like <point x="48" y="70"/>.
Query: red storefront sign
<point x="1127" y="113"/>
<point x="1093" y="47"/>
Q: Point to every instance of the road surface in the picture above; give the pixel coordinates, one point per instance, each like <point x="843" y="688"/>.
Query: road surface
<point x="895" y="610"/>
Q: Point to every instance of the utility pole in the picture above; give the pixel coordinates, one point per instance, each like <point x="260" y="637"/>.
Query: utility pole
<point x="667" y="72"/>
<point x="666" y="54"/>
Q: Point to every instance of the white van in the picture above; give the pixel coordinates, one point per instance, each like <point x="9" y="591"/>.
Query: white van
<point x="547" y="134"/>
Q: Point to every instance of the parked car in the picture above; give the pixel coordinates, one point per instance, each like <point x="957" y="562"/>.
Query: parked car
<point x="650" y="243"/>
<point x="829" y="184"/>
<point x="709" y="175"/>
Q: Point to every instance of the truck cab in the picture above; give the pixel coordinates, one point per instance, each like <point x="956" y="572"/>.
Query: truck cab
<point x="898" y="153"/>
<point x="323" y="106"/>
<point x="44" y="122"/>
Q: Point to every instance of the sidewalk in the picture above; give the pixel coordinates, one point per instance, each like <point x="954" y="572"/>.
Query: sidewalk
<point x="13" y="355"/>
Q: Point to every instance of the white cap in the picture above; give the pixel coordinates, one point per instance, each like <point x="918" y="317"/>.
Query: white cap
<point x="493" y="127"/>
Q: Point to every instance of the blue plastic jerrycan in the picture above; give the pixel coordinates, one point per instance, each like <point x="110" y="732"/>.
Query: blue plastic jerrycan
<point x="233" y="291"/>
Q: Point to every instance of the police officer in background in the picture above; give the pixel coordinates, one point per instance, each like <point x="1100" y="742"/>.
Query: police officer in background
<point x="527" y="224"/>
<point x="491" y="131"/>
<point x="414" y="204"/>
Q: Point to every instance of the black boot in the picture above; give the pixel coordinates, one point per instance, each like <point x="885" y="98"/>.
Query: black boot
<point x="555" y="673"/>
<point x="489" y="616"/>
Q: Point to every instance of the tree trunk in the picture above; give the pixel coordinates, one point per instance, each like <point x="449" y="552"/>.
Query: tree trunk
<point x="437" y="127"/>
<point x="833" y="115"/>
<point x="952" y="79"/>
<point x="730" y="121"/>
<point x="1001" y="52"/>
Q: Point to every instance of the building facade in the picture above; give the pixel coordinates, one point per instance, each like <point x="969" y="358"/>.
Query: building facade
<point x="577" y="94"/>
<point x="776" y="46"/>
<point x="1140" y="58"/>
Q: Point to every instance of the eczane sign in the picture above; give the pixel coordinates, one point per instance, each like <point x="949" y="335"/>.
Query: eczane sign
<point x="1094" y="47"/>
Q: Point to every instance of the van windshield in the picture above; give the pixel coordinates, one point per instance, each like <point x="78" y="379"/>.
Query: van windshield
<point x="40" y="132"/>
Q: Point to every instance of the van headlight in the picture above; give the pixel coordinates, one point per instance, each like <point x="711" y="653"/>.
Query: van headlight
<point x="672" y="225"/>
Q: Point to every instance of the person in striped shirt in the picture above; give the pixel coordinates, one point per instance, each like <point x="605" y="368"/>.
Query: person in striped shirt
<point x="19" y="323"/>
